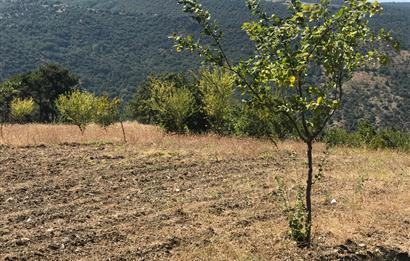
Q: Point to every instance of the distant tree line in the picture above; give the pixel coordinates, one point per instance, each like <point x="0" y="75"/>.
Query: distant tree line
<point x="50" y="93"/>
<point x="206" y="101"/>
<point x="201" y="101"/>
<point x="43" y="85"/>
<point x="198" y="102"/>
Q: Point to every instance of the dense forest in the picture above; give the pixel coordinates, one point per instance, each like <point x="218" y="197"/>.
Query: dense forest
<point x="114" y="45"/>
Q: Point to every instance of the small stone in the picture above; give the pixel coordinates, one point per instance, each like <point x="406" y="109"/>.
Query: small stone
<point x="177" y="190"/>
<point x="342" y="249"/>
<point x="29" y="220"/>
<point x="53" y="247"/>
<point x="362" y="245"/>
<point x="333" y="202"/>
<point x="9" y="199"/>
<point x="22" y="241"/>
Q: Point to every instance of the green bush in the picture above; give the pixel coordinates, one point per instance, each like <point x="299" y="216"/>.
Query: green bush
<point x="217" y="90"/>
<point x="336" y="137"/>
<point x="22" y="109"/>
<point x="366" y="135"/>
<point x="340" y="137"/>
<point x="180" y="104"/>
<point x="173" y="105"/>
<point x="391" y="139"/>
<point x="255" y="121"/>
<point x="142" y="109"/>
<point x="366" y="132"/>
<point x="77" y="108"/>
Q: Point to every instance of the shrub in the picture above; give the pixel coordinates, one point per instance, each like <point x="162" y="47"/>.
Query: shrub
<point x="340" y="137"/>
<point x="77" y="108"/>
<point x="141" y="106"/>
<point x="366" y="132"/>
<point x="258" y="122"/>
<point x="367" y="136"/>
<point x="21" y="109"/>
<point x="212" y="104"/>
<point x="391" y="139"/>
<point x="173" y="105"/>
<point x="217" y="90"/>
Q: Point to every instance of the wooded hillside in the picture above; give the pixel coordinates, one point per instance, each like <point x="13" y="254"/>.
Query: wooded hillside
<point x="114" y="45"/>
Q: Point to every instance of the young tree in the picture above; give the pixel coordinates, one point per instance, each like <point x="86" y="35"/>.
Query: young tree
<point x="21" y="109"/>
<point x="313" y="41"/>
<point x="107" y="112"/>
<point x="77" y="108"/>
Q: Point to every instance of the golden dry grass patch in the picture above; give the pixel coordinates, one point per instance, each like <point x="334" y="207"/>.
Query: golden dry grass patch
<point x="372" y="189"/>
<point x="139" y="136"/>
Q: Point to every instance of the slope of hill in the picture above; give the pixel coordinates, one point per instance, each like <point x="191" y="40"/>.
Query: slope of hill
<point x="113" y="45"/>
<point x="381" y="97"/>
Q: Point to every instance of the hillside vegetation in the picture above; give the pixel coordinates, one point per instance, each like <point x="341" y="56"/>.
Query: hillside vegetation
<point x="114" y="45"/>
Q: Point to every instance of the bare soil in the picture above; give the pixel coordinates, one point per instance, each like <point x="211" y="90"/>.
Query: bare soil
<point x="122" y="202"/>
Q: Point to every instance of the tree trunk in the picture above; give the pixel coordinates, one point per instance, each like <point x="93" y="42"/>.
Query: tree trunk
<point x="309" y="182"/>
<point x="82" y="130"/>
<point x="123" y="132"/>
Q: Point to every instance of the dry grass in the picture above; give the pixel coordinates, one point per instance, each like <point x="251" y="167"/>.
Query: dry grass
<point x="371" y="188"/>
<point x="37" y="134"/>
<point x="212" y="194"/>
<point x="140" y="136"/>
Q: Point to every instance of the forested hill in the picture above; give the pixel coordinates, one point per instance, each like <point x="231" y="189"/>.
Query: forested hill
<point x="113" y="45"/>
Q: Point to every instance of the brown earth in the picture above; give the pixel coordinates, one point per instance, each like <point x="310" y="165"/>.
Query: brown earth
<point x="196" y="198"/>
